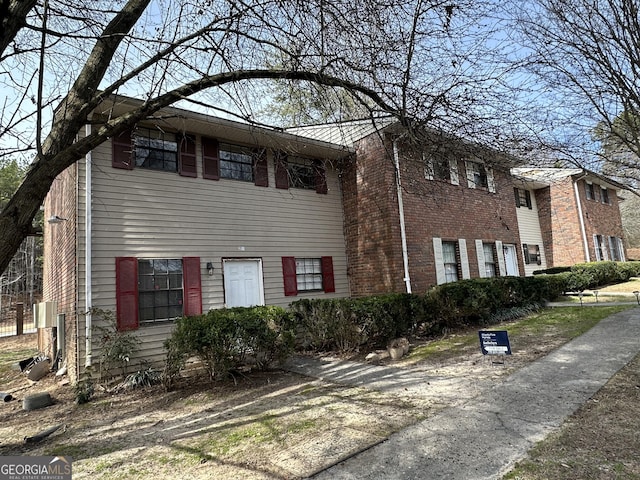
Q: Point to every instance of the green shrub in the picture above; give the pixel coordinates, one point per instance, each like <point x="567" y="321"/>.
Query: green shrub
<point x="224" y="339"/>
<point x="348" y="324"/>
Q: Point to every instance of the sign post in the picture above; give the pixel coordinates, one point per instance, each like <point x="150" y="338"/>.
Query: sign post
<point x="494" y="342"/>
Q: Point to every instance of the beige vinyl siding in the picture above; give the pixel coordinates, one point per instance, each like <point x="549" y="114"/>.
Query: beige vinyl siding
<point x="530" y="234"/>
<point x="154" y="214"/>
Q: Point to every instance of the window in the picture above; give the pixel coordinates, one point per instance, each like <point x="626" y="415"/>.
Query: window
<point x="615" y="248"/>
<point x="598" y="243"/>
<point x="477" y="175"/>
<point x="532" y="254"/>
<point x="450" y="260"/>
<point x="489" y="260"/>
<point x="604" y="195"/>
<point x="155" y="149"/>
<point x="438" y="168"/>
<point x="152" y="290"/>
<point x="591" y="194"/>
<point x="160" y="289"/>
<point x="307" y="274"/>
<point x="523" y="197"/>
<point x="301" y="173"/>
<point x="236" y="162"/>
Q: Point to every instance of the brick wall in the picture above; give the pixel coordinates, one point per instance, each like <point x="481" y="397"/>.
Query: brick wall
<point x="431" y="209"/>
<point x="372" y="228"/>
<point x="560" y="221"/>
<point x="60" y="266"/>
<point x="600" y="218"/>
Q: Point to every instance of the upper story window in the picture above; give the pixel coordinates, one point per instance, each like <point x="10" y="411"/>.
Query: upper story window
<point x="301" y="173"/>
<point x="590" y="191"/>
<point x="523" y="197"/>
<point x="480" y="176"/>
<point x="155" y="149"/>
<point x="236" y="162"/>
<point x="604" y="195"/>
<point x="160" y="294"/>
<point x="439" y="167"/>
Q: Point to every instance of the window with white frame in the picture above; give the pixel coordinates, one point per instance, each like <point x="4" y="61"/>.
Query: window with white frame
<point x="477" y="175"/>
<point x="604" y="195"/>
<point x="155" y="149"/>
<point x="590" y="191"/>
<point x="438" y="167"/>
<point x="160" y="291"/>
<point x="615" y="249"/>
<point x="450" y="260"/>
<point x="309" y="274"/>
<point x="489" y="259"/>
<point x="600" y="249"/>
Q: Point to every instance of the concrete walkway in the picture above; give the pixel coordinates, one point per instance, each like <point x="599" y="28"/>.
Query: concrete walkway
<point x="483" y="436"/>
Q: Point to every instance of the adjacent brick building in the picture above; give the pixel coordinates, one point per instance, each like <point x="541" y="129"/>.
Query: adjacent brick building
<point x="579" y="214"/>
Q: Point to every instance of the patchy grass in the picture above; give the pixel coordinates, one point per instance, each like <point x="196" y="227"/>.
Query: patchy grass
<point x="556" y="325"/>
<point x="599" y="441"/>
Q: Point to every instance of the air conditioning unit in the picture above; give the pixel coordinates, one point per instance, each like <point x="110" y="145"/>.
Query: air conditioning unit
<point x="45" y="314"/>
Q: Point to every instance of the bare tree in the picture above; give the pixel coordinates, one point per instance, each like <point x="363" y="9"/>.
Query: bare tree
<point x="584" y="58"/>
<point x="60" y="59"/>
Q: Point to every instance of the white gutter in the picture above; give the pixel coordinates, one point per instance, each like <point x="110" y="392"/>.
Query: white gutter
<point x="403" y="234"/>
<point x="582" y="227"/>
<point x="87" y="256"/>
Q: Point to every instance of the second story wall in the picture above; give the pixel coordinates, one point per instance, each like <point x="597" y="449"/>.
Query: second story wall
<point x="464" y="204"/>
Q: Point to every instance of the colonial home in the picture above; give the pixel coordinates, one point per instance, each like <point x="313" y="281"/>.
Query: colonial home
<point x="577" y="213"/>
<point x="184" y="214"/>
<point x="189" y="212"/>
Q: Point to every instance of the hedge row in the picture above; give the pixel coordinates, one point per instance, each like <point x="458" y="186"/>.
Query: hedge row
<point x="371" y="322"/>
<point x="584" y="276"/>
<point x="351" y="323"/>
<point x="223" y="339"/>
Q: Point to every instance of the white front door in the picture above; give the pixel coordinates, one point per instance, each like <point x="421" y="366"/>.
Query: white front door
<point x="243" y="283"/>
<point x="510" y="260"/>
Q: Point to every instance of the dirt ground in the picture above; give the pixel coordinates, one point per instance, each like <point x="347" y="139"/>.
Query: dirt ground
<point x="275" y="425"/>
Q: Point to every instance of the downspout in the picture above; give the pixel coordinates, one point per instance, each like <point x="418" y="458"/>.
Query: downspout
<point x="87" y="256"/>
<point x="403" y="233"/>
<point x="582" y="227"/>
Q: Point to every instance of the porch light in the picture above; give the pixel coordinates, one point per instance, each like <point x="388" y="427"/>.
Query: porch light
<point x="210" y="268"/>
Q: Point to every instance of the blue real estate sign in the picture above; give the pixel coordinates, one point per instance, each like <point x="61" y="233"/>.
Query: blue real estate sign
<point x="494" y="342"/>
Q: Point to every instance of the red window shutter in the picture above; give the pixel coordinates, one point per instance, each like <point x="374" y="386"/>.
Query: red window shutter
<point x="192" y="286"/>
<point x="122" y="151"/>
<point x="210" y="159"/>
<point x="126" y="293"/>
<point x="260" y="170"/>
<point x="328" y="284"/>
<point x="281" y="173"/>
<point x="187" y="162"/>
<point x="321" y="178"/>
<point x="289" y="274"/>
